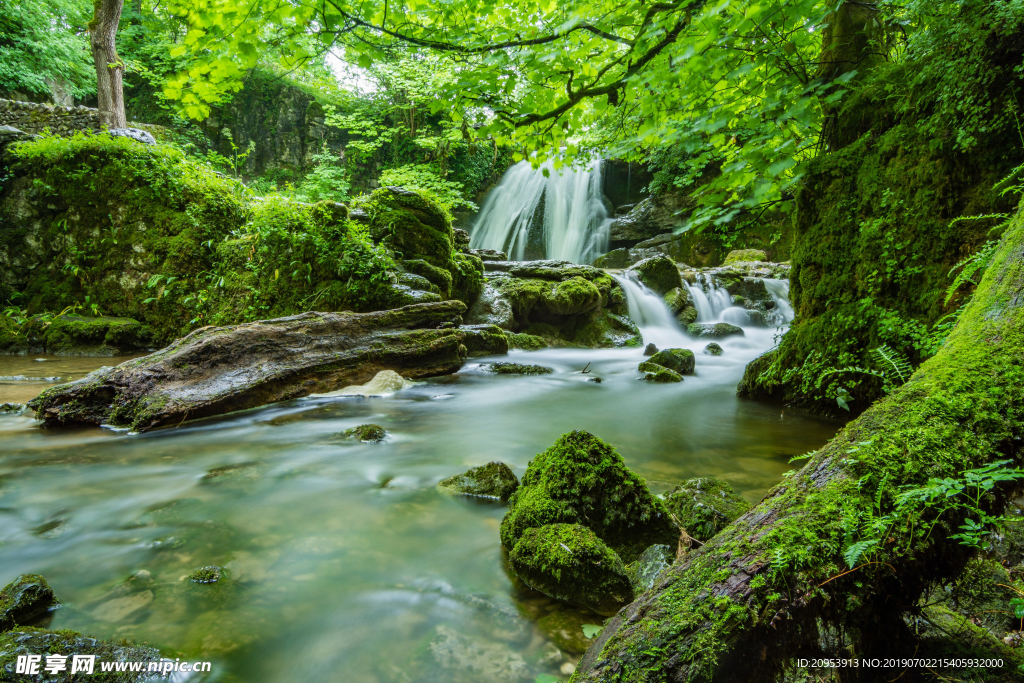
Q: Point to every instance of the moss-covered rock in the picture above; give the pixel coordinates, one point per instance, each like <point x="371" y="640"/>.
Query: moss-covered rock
<point x="75" y="335"/>
<point x="713" y="330"/>
<point x="493" y="480"/>
<point x="368" y="433"/>
<point x="745" y="256"/>
<point x="644" y="571"/>
<point x="582" y="480"/>
<point x="659" y="273"/>
<point x="518" y="369"/>
<point x="484" y="340"/>
<point x="658" y="373"/>
<point x="713" y="349"/>
<point x="569" y="562"/>
<point x="411" y="224"/>
<point x="32" y="641"/>
<point x="204" y="575"/>
<point x="680" y="360"/>
<point x="12" y="408"/>
<point x="526" y="342"/>
<point x="24" y="600"/>
<point x="704" y="506"/>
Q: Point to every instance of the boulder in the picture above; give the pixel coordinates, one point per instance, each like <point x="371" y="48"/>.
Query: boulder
<point x="493" y="480"/>
<point x="745" y="256"/>
<point x="651" y="217"/>
<point x="461" y="239"/>
<point x="25" y="600"/>
<point x="569" y="562"/>
<point x="368" y="433"/>
<point x="680" y="360"/>
<point x="582" y="480"/>
<point x="713" y="349"/>
<point x="12" y="408"/>
<point x="484" y="340"/>
<point x="217" y="370"/>
<point x="491" y="308"/>
<point x="411" y="224"/>
<point x="658" y="373"/>
<point x="659" y="273"/>
<point x="616" y="258"/>
<point x="76" y="335"/>
<point x="489" y="254"/>
<point x="704" y="506"/>
<point x="136" y="134"/>
<point x="650" y="350"/>
<point x="713" y="330"/>
<point x="677" y="299"/>
<point x="651" y="563"/>
<point x="518" y="369"/>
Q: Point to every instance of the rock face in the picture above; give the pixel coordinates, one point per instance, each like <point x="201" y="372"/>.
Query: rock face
<point x="651" y="217"/>
<point x="493" y="480"/>
<point x="218" y="370"/>
<point x="659" y="273"/>
<point x="704" y="506"/>
<point x="569" y="562"/>
<point x="24" y="600"/>
<point x="582" y="480"/>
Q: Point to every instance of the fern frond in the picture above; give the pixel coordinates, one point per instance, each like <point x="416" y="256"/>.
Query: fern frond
<point x="855" y="551"/>
<point x="977" y="218"/>
<point x="892" y="360"/>
<point x="970" y="266"/>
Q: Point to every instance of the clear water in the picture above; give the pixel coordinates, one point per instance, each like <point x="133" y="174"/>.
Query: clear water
<point x="346" y="564"/>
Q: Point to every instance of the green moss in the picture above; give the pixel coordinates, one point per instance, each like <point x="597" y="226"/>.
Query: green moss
<point x="24" y="600"/>
<point x="368" y="433"/>
<point x="493" y="480"/>
<point x="679" y="360"/>
<point x="411" y="224"/>
<point x="209" y="574"/>
<point x="526" y="342"/>
<point x="439" y="277"/>
<point x="569" y="562"/>
<point x="659" y="273"/>
<point x="745" y="255"/>
<point x="658" y="373"/>
<point x="583" y="480"/>
<point x="518" y="369"/>
<point x="33" y="641"/>
<point x="704" y="506"/>
<point x="713" y="330"/>
<point x="713" y="349"/>
<point x="102" y="336"/>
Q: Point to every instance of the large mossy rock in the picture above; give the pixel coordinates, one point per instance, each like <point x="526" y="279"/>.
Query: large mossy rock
<point x="659" y="273"/>
<point x="704" y="506"/>
<point x="583" y="480"/>
<point x="32" y="641"/>
<point x="24" y="600"/>
<point x="493" y="480"/>
<point x="569" y="562"/>
<point x="714" y="330"/>
<point x="658" y="373"/>
<point x="218" y="370"/>
<point x="680" y="360"/>
<point x="75" y="335"/>
<point x="411" y="224"/>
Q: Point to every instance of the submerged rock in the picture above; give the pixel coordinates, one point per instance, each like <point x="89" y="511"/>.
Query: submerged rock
<point x="565" y="629"/>
<point x="704" y="506"/>
<point x="569" y="562"/>
<point x="217" y="370"/>
<point x="24" y="600"/>
<point x="464" y="659"/>
<point x="659" y="273"/>
<point x="12" y="408"/>
<point x="651" y="563"/>
<point x="583" y="480"/>
<point x="493" y="480"/>
<point x="679" y="360"/>
<point x="713" y="330"/>
<point x="713" y="349"/>
<point x="368" y="433"/>
<point x="658" y="373"/>
<point x="518" y="369"/>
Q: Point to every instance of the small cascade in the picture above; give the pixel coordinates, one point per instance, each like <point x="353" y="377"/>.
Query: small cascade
<point x="783" y="312"/>
<point x="648" y="310"/>
<point x="710" y="300"/>
<point x="530" y="216"/>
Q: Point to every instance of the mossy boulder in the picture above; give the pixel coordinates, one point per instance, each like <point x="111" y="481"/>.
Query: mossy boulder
<point x="680" y="303"/>
<point x="745" y="256"/>
<point x="484" y="340"/>
<point x="75" y="335"/>
<point x="368" y="433"/>
<point x="680" y="360"/>
<point x="714" y="330"/>
<point x="33" y="641"/>
<point x="526" y="342"/>
<point x="704" y="506"/>
<point x="493" y="480"/>
<point x="12" y="408"/>
<point x="518" y="369"/>
<point x="659" y="273"/>
<point x="583" y="480"/>
<point x="24" y="600"/>
<point x="569" y="562"/>
<point x="205" y="575"/>
<point x="658" y="373"/>
<point x="713" y="349"/>
<point x="411" y="224"/>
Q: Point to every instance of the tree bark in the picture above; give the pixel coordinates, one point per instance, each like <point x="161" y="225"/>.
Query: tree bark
<point x="774" y="585"/>
<point x="109" y="68"/>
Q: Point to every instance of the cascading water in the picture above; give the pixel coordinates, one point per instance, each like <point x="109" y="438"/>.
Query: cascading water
<point x="530" y="216"/>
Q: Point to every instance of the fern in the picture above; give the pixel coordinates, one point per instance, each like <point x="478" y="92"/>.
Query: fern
<point x="893" y="361"/>
<point x="855" y="551"/>
<point x="970" y="266"/>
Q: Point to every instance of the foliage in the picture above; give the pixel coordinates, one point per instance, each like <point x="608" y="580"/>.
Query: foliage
<point x="328" y="179"/>
<point x="42" y="44"/>
<point x="424" y="178"/>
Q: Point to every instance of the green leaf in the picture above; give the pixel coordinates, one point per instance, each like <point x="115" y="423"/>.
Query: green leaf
<point x="591" y="630"/>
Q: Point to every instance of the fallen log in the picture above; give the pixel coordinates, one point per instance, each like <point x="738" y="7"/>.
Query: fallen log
<point x="216" y="370"/>
<point x="777" y="584"/>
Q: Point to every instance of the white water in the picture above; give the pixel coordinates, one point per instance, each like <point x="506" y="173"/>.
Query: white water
<point x="575" y="222"/>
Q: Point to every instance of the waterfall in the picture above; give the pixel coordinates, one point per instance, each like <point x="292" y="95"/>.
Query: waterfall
<point x="648" y="310"/>
<point x="530" y="216"/>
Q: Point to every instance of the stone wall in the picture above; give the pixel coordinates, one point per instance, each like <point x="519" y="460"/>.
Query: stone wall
<point x="33" y="117"/>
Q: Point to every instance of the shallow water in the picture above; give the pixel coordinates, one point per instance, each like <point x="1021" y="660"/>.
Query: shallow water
<point x="23" y="377"/>
<point x="346" y="564"/>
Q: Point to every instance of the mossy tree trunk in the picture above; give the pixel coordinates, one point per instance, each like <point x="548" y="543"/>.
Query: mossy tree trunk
<point x="775" y="585"/>
<point x="109" y="67"/>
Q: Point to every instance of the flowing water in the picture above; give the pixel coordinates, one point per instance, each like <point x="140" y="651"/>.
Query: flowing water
<point x="346" y="564"/>
<point x="532" y="216"/>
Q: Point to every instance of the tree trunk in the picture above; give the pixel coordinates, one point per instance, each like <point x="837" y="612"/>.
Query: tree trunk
<point x="774" y="585"/>
<point x="109" y="68"/>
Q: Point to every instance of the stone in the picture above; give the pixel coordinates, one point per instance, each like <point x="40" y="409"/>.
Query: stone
<point x="649" y="218"/>
<point x="713" y="330"/>
<point x="489" y="254"/>
<point x="658" y="373"/>
<point x="649" y="566"/>
<point x="12" y="408"/>
<point x="745" y="256"/>
<point x="616" y="258"/>
<point x="704" y="506"/>
<point x="569" y="562"/>
<point x="659" y="273"/>
<point x="461" y="239"/>
<point x="493" y="480"/>
<point x="77" y="335"/>
<point x="713" y="349"/>
<point x="650" y="350"/>
<point x="678" y="299"/>
<point x="466" y="660"/>
<point x="210" y="574"/>
<point x="491" y="308"/>
<point x="484" y="340"/>
<point x="217" y="370"/>
<point x="136" y="134"/>
<point x="679" y="360"/>
<point x="518" y="369"/>
<point x="412" y="224"/>
<point x="120" y="609"/>
<point x="25" y="600"/>
<point x="14" y="644"/>
<point x="368" y="433"/>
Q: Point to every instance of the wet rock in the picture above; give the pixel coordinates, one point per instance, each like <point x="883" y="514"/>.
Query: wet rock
<point x="658" y="373"/>
<point x="713" y="349"/>
<point x="527" y="342"/>
<point x="25" y="600"/>
<point x="12" y="408"/>
<point x="745" y="256"/>
<point x="565" y="629"/>
<point x="553" y="270"/>
<point x="77" y="335"/>
<point x="136" y="134"/>
<point x="616" y="258"/>
<point x="466" y="660"/>
<point x="493" y="480"/>
<point x="489" y="254"/>
<point x="649" y="218"/>
<point x="403" y="295"/>
<point x="38" y="642"/>
<point x="680" y="360"/>
<point x="569" y="562"/>
<point x="518" y="369"/>
<point x="650" y="350"/>
<point x="484" y="340"/>
<point x="210" y="574"/>
<point x="368" y="433"/>
<point x="411" y="224"/>
<point x="417" y="282"/>
<point x="582" y="480"/>
<point x="217" y="370"/>
<point x="659" y="273"/>
<point x="651" y="563"/>
<point x="704" y="506"/>
<point x="713" y="330"/>
<point x="491" y="308"/>
<point x="678" y="299"/>
<point x="461" y="239"/>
